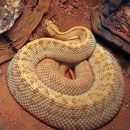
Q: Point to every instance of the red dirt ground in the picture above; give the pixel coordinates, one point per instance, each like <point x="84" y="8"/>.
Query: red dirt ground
<point x="65" y="14"/>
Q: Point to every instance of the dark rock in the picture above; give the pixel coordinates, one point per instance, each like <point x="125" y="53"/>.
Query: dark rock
<point x="103" y="24"/>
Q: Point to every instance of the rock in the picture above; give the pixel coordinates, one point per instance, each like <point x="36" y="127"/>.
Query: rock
<point x="127" y="12"/>
<point x="104" y="25"/>
<point x="119" y="14"/>
<point x="6" y="52"/>
<point x="114" y="4"/>
<point x="125" y="28"/>
<point x="28" y="21"/>
<point x="9" y="12"/>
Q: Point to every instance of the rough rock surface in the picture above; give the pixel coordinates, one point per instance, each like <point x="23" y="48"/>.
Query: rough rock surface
<point x="17" y="36"/>
<point x="112" y="25"/>
<point x="9" y="12"/>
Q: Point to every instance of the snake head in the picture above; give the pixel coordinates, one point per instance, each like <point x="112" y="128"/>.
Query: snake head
<point x="47" y="22"/>
<point x="51" y="28"/>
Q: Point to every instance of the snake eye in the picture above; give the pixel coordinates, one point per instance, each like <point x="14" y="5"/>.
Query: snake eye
<point x="46" y="24"/>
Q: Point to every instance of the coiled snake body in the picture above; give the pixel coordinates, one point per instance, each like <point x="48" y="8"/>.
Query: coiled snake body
<point x="85" y="107"/>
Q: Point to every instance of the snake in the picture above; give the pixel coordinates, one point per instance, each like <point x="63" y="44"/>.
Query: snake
<point x="89" y="101"/>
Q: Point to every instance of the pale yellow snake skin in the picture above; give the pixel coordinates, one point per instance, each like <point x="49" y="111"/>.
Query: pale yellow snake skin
<point x="92" y="107"/>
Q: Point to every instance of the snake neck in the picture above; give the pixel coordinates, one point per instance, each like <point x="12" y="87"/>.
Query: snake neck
<point x="81" y="37"/>
<point x="78" y="32"/>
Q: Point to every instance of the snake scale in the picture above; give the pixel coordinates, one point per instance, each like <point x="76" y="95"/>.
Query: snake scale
<point x="86" y="106"/>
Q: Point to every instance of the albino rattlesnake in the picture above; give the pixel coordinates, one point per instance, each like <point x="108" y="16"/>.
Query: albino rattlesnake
<point x="87" y="110"/>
